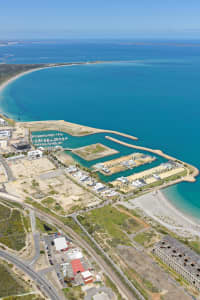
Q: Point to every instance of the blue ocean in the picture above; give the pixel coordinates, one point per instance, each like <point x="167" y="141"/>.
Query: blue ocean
<point x="149" y="89"/>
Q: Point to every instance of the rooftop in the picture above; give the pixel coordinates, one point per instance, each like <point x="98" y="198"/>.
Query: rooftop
<point x="60" y="243"/>
<point x="77" y="266"/>
<point x="180" y="253"/>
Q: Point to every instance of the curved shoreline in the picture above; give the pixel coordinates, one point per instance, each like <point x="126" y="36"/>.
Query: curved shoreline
<point x="158" y="152"/>
<point x="166" y="213"/>
<point x="46" y="66"/>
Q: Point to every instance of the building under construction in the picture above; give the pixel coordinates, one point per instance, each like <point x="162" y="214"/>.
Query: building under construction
<point x="180" y="258"/>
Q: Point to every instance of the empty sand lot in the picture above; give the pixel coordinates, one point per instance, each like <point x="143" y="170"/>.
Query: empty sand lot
<point x="149" y="270"/>
<point x="30" y="168"/>
<point x="53" y="189"/>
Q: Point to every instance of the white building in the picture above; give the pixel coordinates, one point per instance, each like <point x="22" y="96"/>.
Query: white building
<point x="84" y="178"/>
<point x="60" y="244"/>
<point x="123" y="180"/>
<point x="35" y="154"/>
<point x="72" y="169"/>
<point x="3" y="143"/>
<point x="138" y="183"/>
<point x="2" y="121"/>
<point x="99" y="187"/>
<point x="5" y="134"/>
<point x="74" y="254"/>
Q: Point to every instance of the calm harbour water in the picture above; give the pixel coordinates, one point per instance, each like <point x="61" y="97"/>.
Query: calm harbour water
<point x="152" y="93"/>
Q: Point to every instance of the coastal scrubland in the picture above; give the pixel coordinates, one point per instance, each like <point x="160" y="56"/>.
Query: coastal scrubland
<point x="9" y="284"/>
<point x="12" y="230"/>
<point x="10" y="70"/>
<point x="128" y="238"/>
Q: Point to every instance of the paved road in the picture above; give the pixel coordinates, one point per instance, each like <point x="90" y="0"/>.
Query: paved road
<point x="32" y="219"/>
<point x="115" y="266"/>
<point x="7" y="168"/>
<point x="47" y="288"/>
<point x="82" y="244"/>
<point x="36" y="237"/>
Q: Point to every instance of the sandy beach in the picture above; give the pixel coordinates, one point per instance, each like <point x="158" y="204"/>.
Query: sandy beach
<point x="156" y="206"/>
<point x="47" y="66"/>
<point x="4" y="84"/>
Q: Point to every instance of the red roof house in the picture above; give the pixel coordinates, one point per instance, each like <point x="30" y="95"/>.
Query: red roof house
<point x="77" y="266"/>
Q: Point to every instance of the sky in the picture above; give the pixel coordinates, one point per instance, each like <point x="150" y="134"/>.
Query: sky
<point x="99" y="18"/>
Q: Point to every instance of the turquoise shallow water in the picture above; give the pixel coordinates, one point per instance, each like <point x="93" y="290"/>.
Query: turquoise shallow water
<point x="76" y="142"/>
<point x="156" y="98"/>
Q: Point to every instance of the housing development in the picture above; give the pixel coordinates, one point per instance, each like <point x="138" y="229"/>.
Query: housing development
<point x="79" y="202"/>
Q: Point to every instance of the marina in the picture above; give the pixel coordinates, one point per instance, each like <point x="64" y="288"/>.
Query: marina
<point x="48" y="140"/>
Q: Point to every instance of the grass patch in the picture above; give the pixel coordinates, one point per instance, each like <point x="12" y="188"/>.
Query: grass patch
<point x="8" y="284"/>
<point x="73" y="293"/>
<point x="27" y="223"/>
<point x="44" y="227"/>
<point x="108" y="219"/>
<point x="52" y="204"/>
<point x="4" y="212"/>
<point x="25" y="297"/>
<point x="12" y="233"/>
<point x="94" y="151"/>
<point x="145" y="238"/>
<point x="49" y="201"/>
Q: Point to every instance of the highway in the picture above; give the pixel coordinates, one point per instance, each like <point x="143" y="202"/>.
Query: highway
<point x="105" y="267"/>
<point x="36" y="237"/>
<point x="7" y="169"/>
<point x="45" y="286"/>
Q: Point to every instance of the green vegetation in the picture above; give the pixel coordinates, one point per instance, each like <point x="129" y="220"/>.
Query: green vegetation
<point x="44" y="227"/>
<point x="171" y="271"/>
<point x="94" y="151"/>
<point x="9" y="70"/>
<point x="150" y="286"/>
<point x="130" y="275"/>
<point x="11" y="204"/>
<point x="35" y="184"/>
<point x="110" y="284"/>
<point x="160" y="182"/>
<point x="98" y="148"/>
<point x="9" y="285"/>
<point x="73" y="293"/>
<point x="193" y="244"/>
<point x="111" y="221"/>
<point x="4" y="212"/>
<point x="25" y="297"/>
<point x="52" y="204"/>
<point x="48" y="201"/>
<point x="12" y="233"/>
<point x="27" y="223"/>
<point x="145" y="238"/>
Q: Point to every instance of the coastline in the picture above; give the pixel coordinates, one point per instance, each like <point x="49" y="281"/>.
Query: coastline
<point x="159" y="208"/>
<point x="161" y="197"/>
<point x="10" y="80"/>
<point x="47" y="66"/>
